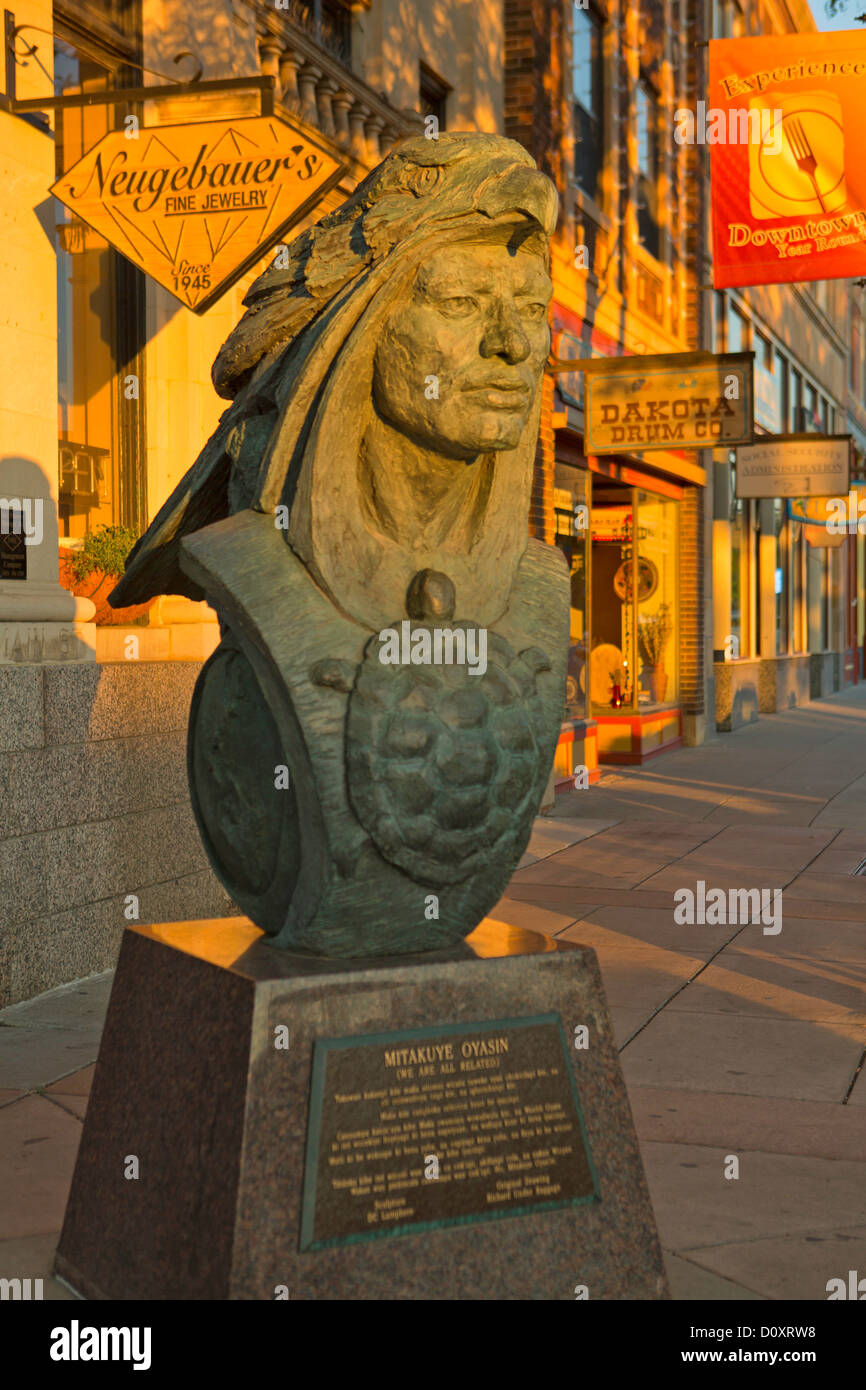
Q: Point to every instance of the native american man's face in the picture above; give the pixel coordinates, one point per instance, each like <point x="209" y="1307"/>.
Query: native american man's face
<point x="459" y="364"/>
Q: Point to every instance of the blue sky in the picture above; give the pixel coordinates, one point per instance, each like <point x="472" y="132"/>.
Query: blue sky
<point x="844" y="20"/>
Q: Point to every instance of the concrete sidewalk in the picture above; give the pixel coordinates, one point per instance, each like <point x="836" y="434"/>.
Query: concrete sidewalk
<point x="735" y="1043"/>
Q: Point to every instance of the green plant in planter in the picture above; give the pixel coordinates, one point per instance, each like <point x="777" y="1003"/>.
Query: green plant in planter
<point x="104" y="549"/>
<point x="654" y="633"/>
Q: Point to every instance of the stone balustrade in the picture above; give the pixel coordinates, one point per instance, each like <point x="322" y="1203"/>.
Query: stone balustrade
<point x="313" y="84"/>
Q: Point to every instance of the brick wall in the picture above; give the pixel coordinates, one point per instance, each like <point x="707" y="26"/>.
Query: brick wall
<point x="534" y="116"/>
<point x="692" y="601"/>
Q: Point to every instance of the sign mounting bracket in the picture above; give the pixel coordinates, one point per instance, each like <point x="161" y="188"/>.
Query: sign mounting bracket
<point x="122" y="96"/>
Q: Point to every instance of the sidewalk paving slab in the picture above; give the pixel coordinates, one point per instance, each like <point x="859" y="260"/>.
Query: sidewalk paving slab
<point x="689" y="1282"/>
<point x="31" y="1257"/>
<point x="813" y="1129"/>
<point x="744" y="1055"/>
<point x="38" y="1144"/>
<point x="775" y="1196"/>
<point x="788" y="1267"/>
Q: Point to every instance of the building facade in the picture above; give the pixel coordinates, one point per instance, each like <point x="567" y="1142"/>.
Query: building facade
<point x="600" y="123"/>
<point x="692" y="610"/>
<point x="106" y="400"/>
<point x="120" y="400"/>
<point x="786" y="594"/>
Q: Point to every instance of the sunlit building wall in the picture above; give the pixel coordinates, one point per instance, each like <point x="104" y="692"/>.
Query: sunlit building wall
<point x="591" y="90"/>
<point x="785" y="597"/>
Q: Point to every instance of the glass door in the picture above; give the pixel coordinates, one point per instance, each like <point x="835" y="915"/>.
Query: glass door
<point x="657" y="599"/>
<point x="571" y="500"/>
<point x="612" y="654"/>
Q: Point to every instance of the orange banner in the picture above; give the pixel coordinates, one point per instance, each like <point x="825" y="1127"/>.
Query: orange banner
<point x="784" y="117"/>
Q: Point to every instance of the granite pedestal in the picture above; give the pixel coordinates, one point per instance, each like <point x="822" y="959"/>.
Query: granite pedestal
<point x="410" y="1128"/>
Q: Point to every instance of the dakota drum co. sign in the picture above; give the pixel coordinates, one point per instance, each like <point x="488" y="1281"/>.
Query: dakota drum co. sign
<point x="688" y="400"/>
<point x="194" y="206"/>
<point x="795" y="465"/>
<point x="787" y="165"/>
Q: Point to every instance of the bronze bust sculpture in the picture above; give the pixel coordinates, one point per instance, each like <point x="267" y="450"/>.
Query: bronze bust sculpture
<point x="370" y="741"/>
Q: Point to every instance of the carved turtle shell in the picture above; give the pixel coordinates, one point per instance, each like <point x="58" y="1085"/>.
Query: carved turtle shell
<point x="443" y="765"/>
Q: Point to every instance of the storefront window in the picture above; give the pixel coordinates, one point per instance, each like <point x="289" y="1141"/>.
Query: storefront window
<point x="782" y="576"/>
<point x="738" y="330"/>
<point x="648" y="167"/>
<point x="798" y="587"/>
<point x="85" y="365"/>
<point x="571" y="507"/>
<point x="739" y="580"/>
<point x="816" y="596"/>
<point x="100" y="426"/>
<point x="796" y="400"/>
<point x="587" y="82"/>
<point x="612" y="660"/>
<point x="861" y="592"/>
<point x="657" y="599"/>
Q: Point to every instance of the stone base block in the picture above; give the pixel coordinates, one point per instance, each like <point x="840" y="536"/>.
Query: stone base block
<point x="264" y="1125"/>
<point x="736" y="684"/>
<point x="38" y="642"/>
<point x="823" y="674"/>
<point x="783" y="683"/>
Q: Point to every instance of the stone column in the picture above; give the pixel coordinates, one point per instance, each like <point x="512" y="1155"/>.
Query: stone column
<point x="269" y="49"/>
<point x="308" y="79"/>
<point x="326" y="93"/>
<point x="341" y="103"/>
<point x="373" y="129"/>
<point x="289" y="64"/>
<point x="357" y="116"/>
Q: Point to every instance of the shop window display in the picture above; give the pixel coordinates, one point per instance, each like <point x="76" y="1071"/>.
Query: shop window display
<point x="658" y="682"/>
<point x="612" y="659"/>
<point x="87" y="426"/>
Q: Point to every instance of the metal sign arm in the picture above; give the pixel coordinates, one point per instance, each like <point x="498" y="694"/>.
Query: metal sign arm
<point x="121" y="96"/>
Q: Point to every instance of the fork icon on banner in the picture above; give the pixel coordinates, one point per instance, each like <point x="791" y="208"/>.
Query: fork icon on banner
<point x="803" y="156"/>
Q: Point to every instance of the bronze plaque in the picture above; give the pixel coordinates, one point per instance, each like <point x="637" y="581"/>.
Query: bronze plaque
<point x="433" y="1127"/>
<point x="13" y="547"/>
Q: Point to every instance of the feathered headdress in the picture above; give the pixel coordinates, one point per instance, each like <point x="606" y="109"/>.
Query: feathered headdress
<point x="302" y="352"/>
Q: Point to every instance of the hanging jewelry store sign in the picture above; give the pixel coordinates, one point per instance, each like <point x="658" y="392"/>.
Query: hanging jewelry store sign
<point x="688" y="400"/>
<point x="795" y="465"/>
<point x="195" y="206"/>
